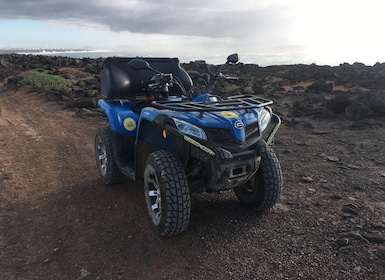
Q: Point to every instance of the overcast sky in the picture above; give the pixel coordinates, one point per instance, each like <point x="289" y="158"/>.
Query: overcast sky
<point x="193" y="26"/>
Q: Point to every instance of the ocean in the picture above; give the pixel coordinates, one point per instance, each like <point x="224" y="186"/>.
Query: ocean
<point x="262" y="56"/>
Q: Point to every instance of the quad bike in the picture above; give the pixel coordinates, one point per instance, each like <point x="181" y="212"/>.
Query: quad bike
<point x="182" y="143"/>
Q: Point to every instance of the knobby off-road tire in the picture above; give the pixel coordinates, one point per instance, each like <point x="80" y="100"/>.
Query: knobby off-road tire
<point x="167" y="193"/>
<point x="263" y="190"/>
<point x="108" y="170"/>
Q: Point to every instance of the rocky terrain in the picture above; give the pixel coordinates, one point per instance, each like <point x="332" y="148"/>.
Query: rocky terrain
<point x="58" y="220"/>
<point x="356" y="91"/>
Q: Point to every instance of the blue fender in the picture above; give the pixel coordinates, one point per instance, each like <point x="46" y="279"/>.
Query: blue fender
<point x="121" y="117"/>
<point x="151" y="126"/>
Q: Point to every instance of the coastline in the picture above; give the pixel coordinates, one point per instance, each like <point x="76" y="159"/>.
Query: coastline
<point x="278" y="55"/>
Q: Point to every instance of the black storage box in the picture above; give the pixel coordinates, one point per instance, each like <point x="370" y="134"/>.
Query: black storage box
<point x="120" y="81"/>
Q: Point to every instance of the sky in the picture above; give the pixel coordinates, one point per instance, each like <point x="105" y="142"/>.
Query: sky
<point x="197" y="27"/>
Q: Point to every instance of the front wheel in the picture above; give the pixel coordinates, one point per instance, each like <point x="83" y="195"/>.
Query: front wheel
<point x="167" y="193"/>
<point x="263" y="190"/>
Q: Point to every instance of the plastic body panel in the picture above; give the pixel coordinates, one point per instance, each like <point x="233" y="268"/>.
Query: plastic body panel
<point x="120" y="116"/>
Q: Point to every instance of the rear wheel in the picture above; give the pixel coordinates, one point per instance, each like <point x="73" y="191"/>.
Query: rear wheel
<point x="167" y="193"/>
<point x="109" y="171"/>
<point x="263" y="190"/>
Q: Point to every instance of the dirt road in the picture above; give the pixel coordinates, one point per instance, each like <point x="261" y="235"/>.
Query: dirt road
<point x="59" y="221"/>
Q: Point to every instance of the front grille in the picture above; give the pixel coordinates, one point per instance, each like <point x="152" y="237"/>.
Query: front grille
<point x="221" y="136"/>
<point x="225" y="137"/>
<point x="252" y="130"/>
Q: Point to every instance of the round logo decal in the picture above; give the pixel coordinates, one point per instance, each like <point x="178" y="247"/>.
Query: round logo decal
<point x="229" y="115"/>
<point x="129" y="124"/>
<point x="238" y="124"/>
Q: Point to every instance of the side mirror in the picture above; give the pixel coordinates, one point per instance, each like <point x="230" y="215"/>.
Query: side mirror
<point x="232" y="58"/>
<point x="138" y="64"/>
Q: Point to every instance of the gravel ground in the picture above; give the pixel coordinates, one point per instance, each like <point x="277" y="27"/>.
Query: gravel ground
<point x="59" y="221"/>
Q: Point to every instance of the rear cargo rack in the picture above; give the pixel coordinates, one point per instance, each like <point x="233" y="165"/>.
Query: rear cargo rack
<point x="238" y="102"/>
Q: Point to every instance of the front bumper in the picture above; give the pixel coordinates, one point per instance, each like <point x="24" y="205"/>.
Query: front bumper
<point x="276" y="121"/>
<point x="229" y="169"/>
<point x="227" y="175"/>
<point x="221" y="168"/>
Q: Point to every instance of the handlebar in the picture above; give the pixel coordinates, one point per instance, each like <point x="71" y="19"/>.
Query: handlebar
<point x="158" y="79"/>
<point x="157" y="87"/>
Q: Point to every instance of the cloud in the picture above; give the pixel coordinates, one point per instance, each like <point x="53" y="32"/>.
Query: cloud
<point x="218" y="19"/>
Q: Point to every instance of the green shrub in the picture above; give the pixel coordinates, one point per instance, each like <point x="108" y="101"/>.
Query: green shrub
<point x="231" y="88"/>
<point x="248" y="90"/>
<point x="45" y="80"/>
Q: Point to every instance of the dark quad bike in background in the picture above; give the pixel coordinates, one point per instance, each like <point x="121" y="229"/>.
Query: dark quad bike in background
<point x="183" y="143"/>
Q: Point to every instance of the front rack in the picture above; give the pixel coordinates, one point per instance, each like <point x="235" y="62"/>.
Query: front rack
<point x="238" y="102"/>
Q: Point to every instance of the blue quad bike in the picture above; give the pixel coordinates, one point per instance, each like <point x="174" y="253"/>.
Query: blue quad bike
<point x="181" y="143"/>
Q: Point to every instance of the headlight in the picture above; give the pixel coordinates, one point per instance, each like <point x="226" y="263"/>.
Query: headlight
<point x="264" y="119"/>
<point x="190" y="129"/>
